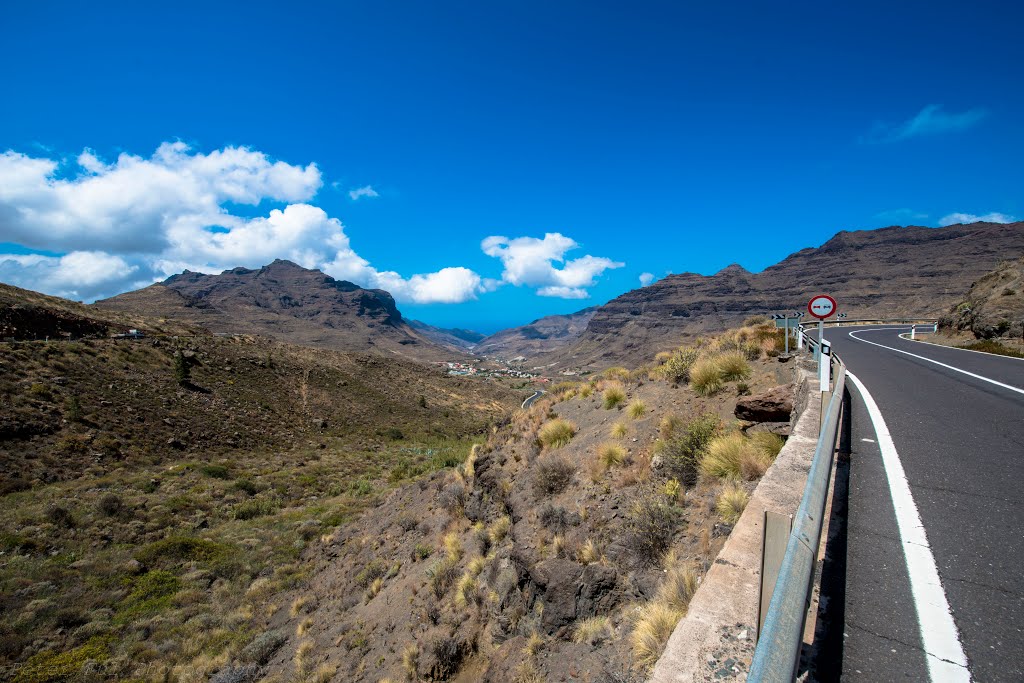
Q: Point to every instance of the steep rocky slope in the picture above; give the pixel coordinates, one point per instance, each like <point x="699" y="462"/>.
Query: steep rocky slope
<point x="456" y="339"/>
<point x="890" y="272"/>
<point x="287" y="302"/>
<point x="541" y="336"/>
<point x="994" y="306"/>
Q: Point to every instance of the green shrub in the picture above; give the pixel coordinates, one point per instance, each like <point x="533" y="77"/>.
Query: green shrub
<point x="247" y="486"/>
<point x="683" y="453"/>
<point x="176" y="550"/>
<point x="374" y="570"/>
<point x="215" y="471"/>
<point x="72" y="409"/>
<point x="557" y="433"/>
<point x="257" y="507"/>
<point x="677" y="368"/>
<point x="53" y="666"/>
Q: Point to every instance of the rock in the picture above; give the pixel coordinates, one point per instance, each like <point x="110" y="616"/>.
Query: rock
<point x="780" y="428"/>
<point x="133" y="567"/>
<point x="175" y="443"/>
<point x="773" y="405"/>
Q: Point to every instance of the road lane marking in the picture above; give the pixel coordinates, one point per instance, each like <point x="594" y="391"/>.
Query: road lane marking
<point x="939" y="636"/>
<point x="955" y="348"/>
<point x="853" y="335"/>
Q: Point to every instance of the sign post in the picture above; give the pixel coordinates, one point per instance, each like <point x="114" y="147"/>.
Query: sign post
<point x="822" y="306"/>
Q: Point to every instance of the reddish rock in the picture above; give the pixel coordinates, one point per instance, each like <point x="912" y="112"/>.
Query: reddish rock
<point x="773" y="405"/>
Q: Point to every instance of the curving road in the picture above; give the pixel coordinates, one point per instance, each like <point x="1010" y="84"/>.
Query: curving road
<point x="930" y="556"/>
<point x="537" y="394"/>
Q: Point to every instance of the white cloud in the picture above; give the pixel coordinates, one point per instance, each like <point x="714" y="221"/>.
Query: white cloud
<point x="137" y="220"/>
<point x="365" y="191"/>
<point x="929" y="121"/>
<point x="77" y="275"/>
<point x="529" y="261"/>
<point x="954" y="218"/>
<point x="646" y="279"/>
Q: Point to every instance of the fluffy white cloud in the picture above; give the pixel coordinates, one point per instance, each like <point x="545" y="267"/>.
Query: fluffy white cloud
<point x="137" y="220"/>
<point x="954" y="218"/>
<point x="77" y="275"/>
<point x="365" y="191"/>
<point x="646" y="279"/>
<point x="529" y="261"/>
<point x="929" y="121"/>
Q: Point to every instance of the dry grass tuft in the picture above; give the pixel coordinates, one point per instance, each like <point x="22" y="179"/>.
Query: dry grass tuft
<point x="499" y="529"/>
<point x="613" y="396"/>
<point x="300" y="605"/>
<point x="590" y="552"/>
<point x="770" y="444"/>
<point x="636" y="409"/>
<point x="731" y="502"/>
<point x="453" y="546"/>
<point x="611" y="454"/>
<point x="734" y="456"/>
<point x="618" y="430"/>
<point x="705" y="378"/>
<point x="592" y="631"/>
<point x="533" y="645"/>
<point x="557" y="433"/>
<point x="654" y="625"/>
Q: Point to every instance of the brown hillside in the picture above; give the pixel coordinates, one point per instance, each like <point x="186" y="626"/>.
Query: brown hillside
<point x="994" y="306"/>
<point x="541" y="336"/>
<point x="890" y="272"/>
<point x="287" y="302"/>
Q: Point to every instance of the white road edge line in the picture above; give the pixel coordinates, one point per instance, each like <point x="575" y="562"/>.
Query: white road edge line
<point x="944" y="653"/>
<point x="955" y="348"/>
<point x="951" y="367"/>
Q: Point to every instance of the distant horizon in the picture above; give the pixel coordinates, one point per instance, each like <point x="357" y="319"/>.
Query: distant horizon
<point x="422" y="150"/>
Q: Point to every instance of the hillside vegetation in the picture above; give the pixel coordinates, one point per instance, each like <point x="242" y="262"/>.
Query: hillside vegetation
<point x="154" y="493"/>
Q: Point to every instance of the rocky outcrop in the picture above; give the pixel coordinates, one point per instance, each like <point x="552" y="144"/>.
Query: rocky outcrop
<point x="890" y="272"/>
<point x="285" y="301"/>
<point x="994" y="306"/>
<point x="773" y="405"/>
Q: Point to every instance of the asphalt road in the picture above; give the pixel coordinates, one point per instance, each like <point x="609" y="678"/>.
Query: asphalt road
<point x="540" y="392"/>
<point x="959" y="442"/>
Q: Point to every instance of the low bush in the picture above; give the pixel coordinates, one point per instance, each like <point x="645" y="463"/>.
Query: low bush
<point x="215" y="471"/>
<point x="257" y="507"/>
<point x="557" y="433"/>
<point x="683" y="453"/>
<point x="556" y="518"/>
<point x="650" y="525"/>
<point x="110" y="505"/>
<point x="176" y="550"/>
<point x="452" y="498"/>
<point x="552" y="475"/>
<point x="679" y="364"/>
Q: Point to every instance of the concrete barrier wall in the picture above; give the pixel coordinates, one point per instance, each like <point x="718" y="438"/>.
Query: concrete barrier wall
<point x="715" y="640"/>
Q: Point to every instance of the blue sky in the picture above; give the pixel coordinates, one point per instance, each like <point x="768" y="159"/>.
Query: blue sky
<point x="666" y="137"/>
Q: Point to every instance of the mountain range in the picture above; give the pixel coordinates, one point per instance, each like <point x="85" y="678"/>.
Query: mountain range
<point x="888" y="273"/>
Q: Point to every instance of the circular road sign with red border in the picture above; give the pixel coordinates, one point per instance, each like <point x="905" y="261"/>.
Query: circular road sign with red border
<point x="821" y="306"/>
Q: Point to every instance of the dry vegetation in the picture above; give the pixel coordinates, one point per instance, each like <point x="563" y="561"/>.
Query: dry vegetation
<point x="565" y="544"/>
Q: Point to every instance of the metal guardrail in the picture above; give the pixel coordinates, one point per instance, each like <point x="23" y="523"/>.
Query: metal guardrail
<point x="777" y="655"/>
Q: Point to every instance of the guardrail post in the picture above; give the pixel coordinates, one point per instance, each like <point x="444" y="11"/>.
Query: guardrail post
<point x="913" y="332"/>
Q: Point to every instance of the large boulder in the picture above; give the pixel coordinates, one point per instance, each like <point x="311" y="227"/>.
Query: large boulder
<point x="773" y="405"/>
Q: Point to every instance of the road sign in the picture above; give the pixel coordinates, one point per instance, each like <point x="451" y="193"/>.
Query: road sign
<point x="841" y="315"/>
<point x="821" y="306"/>
<point x="791" y="323"/>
